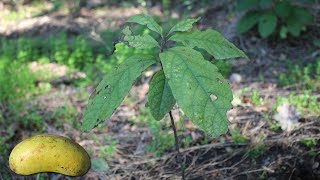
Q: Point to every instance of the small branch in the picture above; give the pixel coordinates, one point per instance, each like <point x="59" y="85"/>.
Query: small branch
<point x="179" y="157"/>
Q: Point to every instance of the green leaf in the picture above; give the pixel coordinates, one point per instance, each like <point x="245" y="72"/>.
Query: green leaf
<point x="283" y="32"/>
<point x="113" y="89"/>
<point x="199" y="89"/>
<point x="210" y="40"/>
<point x="126" y="31"/>
<point x="184" y="25"/>
<point x="160" y="98"/>
<point x="248" y="21"/>
<point x="295" y="29"/>
<point x="283" y="9"/>
<point x="243" y="5"/>
<point x="301" y="16"/>
<point x="267" y="24"/>
<point x="141" y="42"/>
<point x="146" y="20"/>
<point x="298" y="20"/>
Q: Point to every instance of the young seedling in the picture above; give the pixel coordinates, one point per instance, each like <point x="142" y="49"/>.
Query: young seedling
<point x="185" y="78"/>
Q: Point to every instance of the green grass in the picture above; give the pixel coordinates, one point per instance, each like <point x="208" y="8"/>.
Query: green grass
<point x="32" y="9"/>
<point x="16" y="81"/>
<point x="308" y="75"/>
<point x="19" y="85"/>
<point x="306" y="103"/>
<point x="309" y="142"/>
<point x="66" y="114"/>
<point x="108" y="151"/>
<point x="162" y="139"/>
<point x="16" y="54"/>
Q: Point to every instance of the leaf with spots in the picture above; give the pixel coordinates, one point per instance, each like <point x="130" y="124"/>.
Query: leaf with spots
<point x="211" y="41"/>
<point x="141" y="41"/>
<point x="184" y="25"/>
<point x="113" y="89"/>
<point x="160" y="98"/>
<point x="199" y="89"/>
<point x="146" y="20"/>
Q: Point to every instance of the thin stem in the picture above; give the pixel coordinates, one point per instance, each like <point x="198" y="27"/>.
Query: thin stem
<point x="163" y="44"/>
<point x="179" y="157"/>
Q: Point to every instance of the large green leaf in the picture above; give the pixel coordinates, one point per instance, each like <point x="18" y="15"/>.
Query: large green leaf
<point x="302" y="16"/>
<point x="283" y="9"/>
<point x="210" y="40"/>
<point x="146" y="20"/>
<point x="248" y="21"/>
<point x="113" y="89"/>
<point x="160" y="98"/>
<point x="184" y="25"/>
<point x="141" y="42"/>
<point x="267" y="24"/>
<point x="298" y="20"/>
<point x="199" y="89"/>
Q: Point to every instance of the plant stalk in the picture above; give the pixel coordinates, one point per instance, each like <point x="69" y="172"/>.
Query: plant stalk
<point x="179" y="157"/>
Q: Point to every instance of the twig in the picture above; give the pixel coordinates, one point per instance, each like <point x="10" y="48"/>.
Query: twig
<point x="179" y="157"/>
<point x="246" y="172"/>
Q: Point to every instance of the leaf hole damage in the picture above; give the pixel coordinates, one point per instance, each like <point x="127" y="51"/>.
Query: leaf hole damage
<point x="213" y="97"/>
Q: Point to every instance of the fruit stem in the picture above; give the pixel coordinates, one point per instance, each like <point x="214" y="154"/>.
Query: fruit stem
<point x="179" y="157"/>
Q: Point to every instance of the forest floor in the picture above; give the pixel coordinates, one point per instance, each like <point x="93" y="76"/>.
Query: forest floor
<point x="268" y="139"/>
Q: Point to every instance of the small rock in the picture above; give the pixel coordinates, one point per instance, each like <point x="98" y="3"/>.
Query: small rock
<point x="235" y="78"/>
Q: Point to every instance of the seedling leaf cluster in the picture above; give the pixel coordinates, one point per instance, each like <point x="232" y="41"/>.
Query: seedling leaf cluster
<point x="186" y="77"/>
<point x="270" y="16"/>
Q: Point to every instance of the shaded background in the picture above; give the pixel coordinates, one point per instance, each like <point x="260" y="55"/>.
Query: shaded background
<point x="54" y="53"/>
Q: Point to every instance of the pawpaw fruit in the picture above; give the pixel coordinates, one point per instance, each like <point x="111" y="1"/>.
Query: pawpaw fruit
<point x="49" y="153"/>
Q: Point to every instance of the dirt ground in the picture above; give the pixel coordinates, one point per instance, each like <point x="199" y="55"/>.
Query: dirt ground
<point x="279" y="154"/>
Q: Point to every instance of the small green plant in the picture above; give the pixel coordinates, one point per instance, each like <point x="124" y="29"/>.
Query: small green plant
<point x="237" y="137"/>
<point x="255" y="98"/>
<point x="309" y="142"/>
<point x="308" y="75"/>
<point x="306" y="103"/>
<point x="162" y="139"/>
<point x="186" y="77"/>
<point x="108" y="150"/>
<point x="282" y="16"/>
<point x="274" y="125"/>
<point x="257" y="150"/>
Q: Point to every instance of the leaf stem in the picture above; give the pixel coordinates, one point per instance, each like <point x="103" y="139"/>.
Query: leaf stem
<point x="179" y="157"/>
<point x="163" y="44"/>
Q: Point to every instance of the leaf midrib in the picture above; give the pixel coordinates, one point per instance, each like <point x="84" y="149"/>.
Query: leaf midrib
<point x="199" y="84"/>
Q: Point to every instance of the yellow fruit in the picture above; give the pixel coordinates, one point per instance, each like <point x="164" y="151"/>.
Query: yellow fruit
<point x="49" y="153"/>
